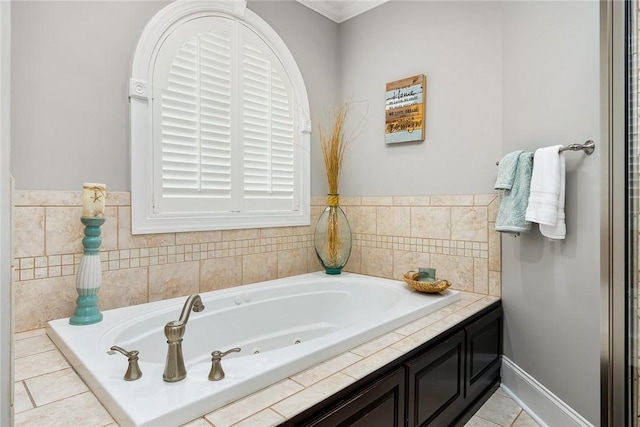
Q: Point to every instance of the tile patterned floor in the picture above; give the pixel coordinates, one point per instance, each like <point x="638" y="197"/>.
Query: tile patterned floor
<point x="48" y="392"/>
<point x="501" y="411"/>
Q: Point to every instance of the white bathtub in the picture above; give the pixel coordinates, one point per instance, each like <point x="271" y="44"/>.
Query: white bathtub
<point x="327" y="315"/>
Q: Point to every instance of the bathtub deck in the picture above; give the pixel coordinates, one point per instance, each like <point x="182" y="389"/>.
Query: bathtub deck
<point x="49" y="392"/>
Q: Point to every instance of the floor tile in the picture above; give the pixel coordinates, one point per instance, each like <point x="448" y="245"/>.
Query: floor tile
<point x="39" y="364"/>
<point x="499" y="410"/>
<point x="200" y="422"/>
<point x="480" y="422"/>
<point x="55" y="386"/>
<point x="81" y="410"/>
<point x="501" y="392"/>
<point x="32" y="345"/>
<point x="525" y="420"/>
<point x="21" y="399"/>
<point x="28" y="334"/>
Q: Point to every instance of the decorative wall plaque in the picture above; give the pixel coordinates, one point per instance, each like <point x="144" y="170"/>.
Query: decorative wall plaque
<point x="405" y="110"/>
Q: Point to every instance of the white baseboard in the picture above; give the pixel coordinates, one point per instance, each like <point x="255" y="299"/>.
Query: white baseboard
<point x="543" y="406"/>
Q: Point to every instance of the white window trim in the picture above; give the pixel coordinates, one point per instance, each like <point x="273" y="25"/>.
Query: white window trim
<point x="143" y="219"/>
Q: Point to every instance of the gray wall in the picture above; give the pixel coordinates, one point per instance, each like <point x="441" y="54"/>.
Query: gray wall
<point x="550" y="290"/>
<point x="502" y="76"/>
<point x="71" y="64"/>
<point x="458" y="46"/>
<point x="313" y="41"/>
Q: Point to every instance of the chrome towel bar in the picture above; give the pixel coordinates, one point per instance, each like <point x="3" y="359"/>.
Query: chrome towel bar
<point x="588" y="147"/>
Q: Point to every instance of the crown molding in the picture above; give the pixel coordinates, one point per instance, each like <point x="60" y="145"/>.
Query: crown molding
<point x="340" y="11"/>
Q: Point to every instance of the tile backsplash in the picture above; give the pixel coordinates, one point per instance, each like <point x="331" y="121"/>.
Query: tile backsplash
<point x="391" y="235"/>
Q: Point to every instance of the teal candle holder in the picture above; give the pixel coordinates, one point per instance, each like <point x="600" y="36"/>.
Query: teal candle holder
<point x="89" y="275"/>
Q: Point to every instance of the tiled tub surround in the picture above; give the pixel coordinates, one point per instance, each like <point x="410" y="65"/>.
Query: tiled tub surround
<point x="48" y="392"/>
<point x="391" y="235"/>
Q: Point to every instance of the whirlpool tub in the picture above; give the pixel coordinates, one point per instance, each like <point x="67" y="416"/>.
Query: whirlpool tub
<point x="282" y="327"/>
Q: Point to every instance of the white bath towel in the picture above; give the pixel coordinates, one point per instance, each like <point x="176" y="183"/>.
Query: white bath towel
<point x="558" y="231"/>
<point x="546" y="181"/>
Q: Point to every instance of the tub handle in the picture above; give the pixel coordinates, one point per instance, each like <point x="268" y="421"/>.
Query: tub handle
<point x="216" y="373"/>
<point x="133" y="371"/>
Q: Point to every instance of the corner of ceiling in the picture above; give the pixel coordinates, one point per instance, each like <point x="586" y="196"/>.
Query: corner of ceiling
<point x="340" y="11"/>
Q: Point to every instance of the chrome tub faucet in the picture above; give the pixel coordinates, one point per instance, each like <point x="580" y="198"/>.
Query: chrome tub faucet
<point x="174" y="369"/>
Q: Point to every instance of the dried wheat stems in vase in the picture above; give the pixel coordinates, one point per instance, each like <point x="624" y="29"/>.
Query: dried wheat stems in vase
<point x="333" y="146"/>
<point x="333" y="238"/>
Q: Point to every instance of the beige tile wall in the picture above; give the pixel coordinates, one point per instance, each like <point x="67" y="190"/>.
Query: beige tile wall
<point x="391" y="235"/>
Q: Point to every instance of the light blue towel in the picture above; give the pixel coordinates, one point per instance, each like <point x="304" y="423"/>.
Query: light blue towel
<point x="513" y="184"/>
<point x="507" y="170"/>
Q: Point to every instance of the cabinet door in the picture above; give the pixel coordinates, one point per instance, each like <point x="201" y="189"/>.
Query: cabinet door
<point x="436" y="383"/>
<point x="484" y="348"/>
<point x="380" y="404"/>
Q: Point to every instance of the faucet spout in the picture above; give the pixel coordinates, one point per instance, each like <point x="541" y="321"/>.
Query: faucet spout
<point x="174" y="369"/>
<point x="194" y="302"/>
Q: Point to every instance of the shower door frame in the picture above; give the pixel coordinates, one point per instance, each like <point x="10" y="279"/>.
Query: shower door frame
<point x="617" y="397"/>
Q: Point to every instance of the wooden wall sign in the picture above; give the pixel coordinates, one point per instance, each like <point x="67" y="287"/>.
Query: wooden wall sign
<point x="405" y="113"/>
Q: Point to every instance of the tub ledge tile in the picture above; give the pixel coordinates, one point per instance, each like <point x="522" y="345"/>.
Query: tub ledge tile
<point x="265" y="418"/>
<point x="311" y="395"/>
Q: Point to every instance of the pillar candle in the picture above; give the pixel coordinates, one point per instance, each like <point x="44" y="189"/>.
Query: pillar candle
<point x="93" y="199"/>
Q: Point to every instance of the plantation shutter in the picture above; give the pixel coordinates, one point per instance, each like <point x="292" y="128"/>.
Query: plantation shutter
<point x="268" y="129"/>
<point x="224" y="139"/>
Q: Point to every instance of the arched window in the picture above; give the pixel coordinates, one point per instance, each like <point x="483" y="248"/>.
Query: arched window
<point x="219" y="123"/>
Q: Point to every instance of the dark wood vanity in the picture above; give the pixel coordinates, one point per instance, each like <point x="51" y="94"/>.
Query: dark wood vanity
<point x="441" y="383"/>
